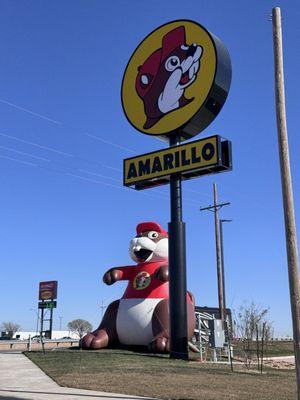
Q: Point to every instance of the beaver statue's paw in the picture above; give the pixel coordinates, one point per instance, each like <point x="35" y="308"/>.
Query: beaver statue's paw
<point x="94" y="341"/>
<point x="111" y="276"/>
<point x="162" y="273"/>
<point x="160" y="345"/>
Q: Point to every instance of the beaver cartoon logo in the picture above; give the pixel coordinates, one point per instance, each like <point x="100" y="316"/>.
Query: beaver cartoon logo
<point x="142" y="280"/>
<point x="164" y="76"/>
<point x="176" y="80"/>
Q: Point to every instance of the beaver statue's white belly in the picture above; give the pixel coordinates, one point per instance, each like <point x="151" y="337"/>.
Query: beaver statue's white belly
<point x="134" y="321"/>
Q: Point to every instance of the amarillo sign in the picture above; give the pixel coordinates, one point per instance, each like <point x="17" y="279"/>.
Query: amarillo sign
<point x="175" y="84"/>
<point x="177" y="79"/>
<point x="197" y="158"/>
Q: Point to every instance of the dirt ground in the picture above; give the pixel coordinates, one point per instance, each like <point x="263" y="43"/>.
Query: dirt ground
<point x="34" y="345"/>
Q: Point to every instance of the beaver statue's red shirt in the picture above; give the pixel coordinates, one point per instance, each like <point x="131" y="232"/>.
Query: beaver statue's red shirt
<point x="142" y="282"/>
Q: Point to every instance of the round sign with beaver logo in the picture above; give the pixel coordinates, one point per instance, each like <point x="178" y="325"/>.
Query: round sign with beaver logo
<point x="177" y="79"/>
<point x="142" y="280"/>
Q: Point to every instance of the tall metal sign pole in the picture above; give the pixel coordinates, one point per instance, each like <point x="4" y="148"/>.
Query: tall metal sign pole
<point x="287" y="189"/>
<point x="174" y="85"/>
<point x="177" y="270"/>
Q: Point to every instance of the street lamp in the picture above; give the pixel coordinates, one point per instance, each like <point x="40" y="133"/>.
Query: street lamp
<point x="221" y="221"/>
<point x="227" y="328"/>
<point x="60" y="323"/>
<point x="37" y="320"/>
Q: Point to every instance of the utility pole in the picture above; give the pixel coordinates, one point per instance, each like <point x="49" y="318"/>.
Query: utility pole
<point x="215" y="208"/>
<point x="60" y="323"/>
<point x="287" y="189"/>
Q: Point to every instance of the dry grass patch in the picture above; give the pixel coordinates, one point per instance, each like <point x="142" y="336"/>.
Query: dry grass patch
<point x="121" y="371"/>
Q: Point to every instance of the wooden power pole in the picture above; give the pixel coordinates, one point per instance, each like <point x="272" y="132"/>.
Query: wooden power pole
<point x="287" y="189"/>
<point x="221" y="295"/>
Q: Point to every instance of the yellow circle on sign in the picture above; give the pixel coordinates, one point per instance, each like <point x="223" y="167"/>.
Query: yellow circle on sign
<point x="169" y="77"/>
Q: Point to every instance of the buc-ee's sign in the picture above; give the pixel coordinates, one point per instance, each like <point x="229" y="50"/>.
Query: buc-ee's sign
<point x="177" y="79"/>
<point x="48" y="290"/>
<point x="196" y="158"/>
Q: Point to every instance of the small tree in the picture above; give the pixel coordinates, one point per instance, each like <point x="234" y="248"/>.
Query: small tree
<point x="10" y="327"/>
<point x="253" y="325"/>
<point x="80" y="326"/>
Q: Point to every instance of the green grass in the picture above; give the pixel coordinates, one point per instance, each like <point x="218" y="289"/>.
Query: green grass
<point x="122" y="371"/>
<point x="272" y="349"/>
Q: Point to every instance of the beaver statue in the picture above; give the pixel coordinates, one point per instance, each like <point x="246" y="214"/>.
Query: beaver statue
<point x="141" y="316"/>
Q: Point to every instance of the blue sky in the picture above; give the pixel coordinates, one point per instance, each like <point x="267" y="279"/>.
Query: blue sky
<point x="64" y="213"/>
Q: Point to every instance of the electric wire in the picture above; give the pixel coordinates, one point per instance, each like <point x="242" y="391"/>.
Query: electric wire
<point x="154" y="192"/>
<point x="63" y="124"/>
<point x="120" y="147"/>
<point x="30" y="112"/>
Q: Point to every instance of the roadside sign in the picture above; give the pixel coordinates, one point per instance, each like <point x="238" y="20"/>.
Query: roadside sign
<point x="177" y="79"/>
<point x="202" y="157"/>
<point x="175" y="84"/>
<point x="47" y="304"/>
<point x="48" y="290"/>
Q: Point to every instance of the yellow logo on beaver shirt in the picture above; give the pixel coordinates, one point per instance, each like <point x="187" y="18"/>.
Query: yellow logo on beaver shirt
<point x="142" y="280"/>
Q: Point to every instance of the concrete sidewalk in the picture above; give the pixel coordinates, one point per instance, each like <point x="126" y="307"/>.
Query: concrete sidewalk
<point x="21" y="379"/>
<point x="290" y="359"/>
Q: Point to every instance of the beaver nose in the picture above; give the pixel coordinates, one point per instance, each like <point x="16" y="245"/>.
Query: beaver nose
<point x="191" y="50"/>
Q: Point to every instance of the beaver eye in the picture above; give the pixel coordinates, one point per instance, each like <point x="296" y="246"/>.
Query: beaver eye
<point x="152" y="235"/>
<point x="172" y="63"/>
<point x="144" y="80"/>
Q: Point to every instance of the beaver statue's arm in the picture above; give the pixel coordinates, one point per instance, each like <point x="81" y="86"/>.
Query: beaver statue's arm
<point x="117" y="274"/>
<point x="162" y="273"/>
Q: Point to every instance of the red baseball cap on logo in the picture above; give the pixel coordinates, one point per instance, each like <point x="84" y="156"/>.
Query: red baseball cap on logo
<point x="172" y="40"/>
<point x="148" y="71"/>
<point x="150" y="226"/>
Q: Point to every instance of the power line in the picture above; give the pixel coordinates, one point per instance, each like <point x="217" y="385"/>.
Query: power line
<point x="70" y="154"/>
<point x="75" y="168"/>
<point x="19" y="161"/>
<point x="23" y="153"/>
<point x="30" y="112"/>
<point x="37" y="145"/>
<point x="55" y="150"/>
<point x="83" y="178"/>
<point x="110" y="143"/>
<point x="61" y="123"/>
